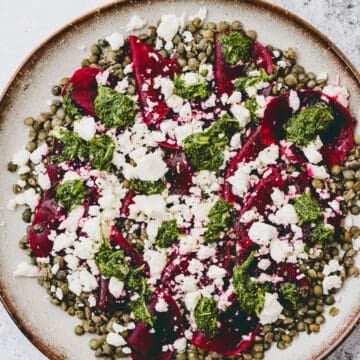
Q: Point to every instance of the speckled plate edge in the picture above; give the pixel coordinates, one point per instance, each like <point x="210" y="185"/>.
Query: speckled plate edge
<point x="37" y="53"/>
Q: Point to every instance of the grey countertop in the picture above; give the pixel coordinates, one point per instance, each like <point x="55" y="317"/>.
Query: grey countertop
<point x="27" y="23"/>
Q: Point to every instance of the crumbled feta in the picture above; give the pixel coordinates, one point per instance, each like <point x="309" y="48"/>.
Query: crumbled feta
<point x="240" y="180"/>
<point x="116" y="287"/>
<point x="122" y="86"/>
<point x="331" y="282"/>
<point x="318" y="172"/>
<point x="284" y="216"/>
<point x="205" y="252"/>
<point x="272" y="309"/>
<point x="156" y="260"/>
<point x="294" y="101"/>
<point x="279" y="250"/>
<point x="37" y="155"/>
<point x="249" y="216"/>
<point x="241" y="114"/>
<point x="153" y="206"/>
<point x="25" y="269"/>
<point x="115" y="339"/>
<point x="264" y="264"/>
<point x="262" y="233"/>
<point x="191" y="299"/>
<point x="235" y="98"/>
<point x="85" y="127"/>
<point x="278" y="197"/>
<point x="115" y="40"/>
<point x="169" y="26"/>
<point x="71" y="223"/>
<point x="135" y="23"/>
<point x="331" y="267"/>
<point x="92" y="301"/>
<point x="80" y="281"/>
<point x="356" y="243"/>
<point x="311" y="151"/>
<point x="195" y="266"/>
<point x="216" y="272"/>
<point x="44" y="181"/>
<point x="339" y="93"/>
<point x="180" y="344"/>
<point x="187" y="36"/>
<point x="161" y="305"/>
<point x="268" y="156"/>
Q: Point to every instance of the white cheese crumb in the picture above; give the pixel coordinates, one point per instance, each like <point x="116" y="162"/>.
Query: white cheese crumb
<point x="153" y="206"/>
<point x="263" y="264"/>
<point x="317" y="172"/>
<point x="241" y="114"/>
<point x="36" y="155"/>
<point x="268" y="156"/>
<point x="356" y="243"/>
<point x="311" y="151"/>
<point x="284" y="216"/>
<point x="135" y="23"/>
<point x="262" y="233"/>
<point x="272" y="309"/>
<point x="331" y="267"/>
<point x="169" y="26"/>
<point x="205" y="252"/>
<point x="338" y="93"/>
<point x="180" y="344"/>
<point x="161" y="305"/>
<point x="44" y="181"/>
<point x="115" y="339"/>
<point x="216" y="272"/>
<point x="25" y="269"/>
<point x="191" y="300"/>
<point x="116" y="287"/>
<point x="279" y="250"/>
<point x="116" y="41"/>
<point x="331" y="282"/>
<point x="92" y="301"/>
<point x="294" y="101"/>
<point x="156" y="260"/>
<point x="195" y="266"/>
<point x="85" y="127"/>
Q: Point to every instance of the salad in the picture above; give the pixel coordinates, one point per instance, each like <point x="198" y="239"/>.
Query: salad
<point x="190" y="194"/>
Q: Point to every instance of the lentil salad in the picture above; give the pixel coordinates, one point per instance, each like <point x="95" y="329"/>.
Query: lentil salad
<point x="220" y="146"/>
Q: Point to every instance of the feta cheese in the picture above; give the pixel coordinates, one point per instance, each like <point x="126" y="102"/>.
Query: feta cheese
<point x="116" y="287"/>
<point x="337" y="92"/>
<point x="279" y="250"/>
<point x="248" y="216"/>
<point x="294" y="101"/>
<point x="44" y="181"/>
<point x="187" y="36"/>
<point x="356" y="243"/>
<point x="25" y="269"/>
<point x="156" y="260"/>
<point x="278" y="197"/>
<point x="216" y="272"/>
<point x="161" y="305"/>
<point x="284" y="216"/>
<point x="115" y="339"/>
<point x="135" y="23"/>
<point x="268" y="156"/>
<point x="85" y="127"/>
<point x="149" y="168"/>
<point x="272" y="309"/>
<point x="331" y="267"/>
<point x="153" y="206"/>
<point x="169" y="26"/>
<point x="331" y="282"/>
<point x="311" y="151"/>
<point x="205" y="252"/>
<point x="180" y="344"/>
<point x="262" y="233"/>
<point x="241" y="114"/>
<point x="264" y="264"/>
<point x="92" y="301"/>
<point x="191" y="299"/>
<point x="71" y="223"/>
<point x="241" y="179"/>
<point x="37" y="155"/>
<point x="115" y="40"/>
<point x="318" y="172"/>
<point x="195" y="266"/>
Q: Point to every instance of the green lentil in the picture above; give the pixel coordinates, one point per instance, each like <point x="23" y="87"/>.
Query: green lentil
<point x="79" y="330"/>
<point x="329" y="300"/>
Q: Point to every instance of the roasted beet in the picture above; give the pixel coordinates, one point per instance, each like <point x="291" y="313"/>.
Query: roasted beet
<point x="168" y="327"/>
<point x="147" y="65"/>
<point x="179" y="174"/>
<point x="248" y="152"/>
<point x="84" y="87"/>
<point x="262" y="57"/>
<point x="127" y="202"/>
<point x="338" y="139"/>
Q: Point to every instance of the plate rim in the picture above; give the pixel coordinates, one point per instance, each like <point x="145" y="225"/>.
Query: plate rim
<point x="36" y="54"/>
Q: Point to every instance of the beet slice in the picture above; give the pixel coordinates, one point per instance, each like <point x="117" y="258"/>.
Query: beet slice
<point x="262" y="57"/>
<point x="234" y="326"/>
<point x="168" y="146"/>
<point x="338" y="140"/>
<point x="45" y="219"/>
<point x="225" y="74"/>
<point x="168" y="327"/>
<point x="84" y="88"/>
<point x="179" y="174"/>
<point x="106" y="300"/>
<point x="55" y="174"/>
<point x="147" y="65"/>
<point x="127" y="202"/>
<point x="248" y="152"/>
<point x="117" y="238"/>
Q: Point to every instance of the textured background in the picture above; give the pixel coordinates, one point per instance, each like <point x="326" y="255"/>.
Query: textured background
<point x="24" y="24"/>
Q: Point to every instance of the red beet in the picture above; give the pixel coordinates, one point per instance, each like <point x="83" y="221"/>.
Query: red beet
<point x="127" y="202"/>
<point x="147" y="65"/>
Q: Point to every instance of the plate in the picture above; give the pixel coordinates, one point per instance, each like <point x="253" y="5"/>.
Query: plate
<point x="46" y="325"/>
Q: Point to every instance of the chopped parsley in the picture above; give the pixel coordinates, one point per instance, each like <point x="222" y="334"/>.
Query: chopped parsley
<point x="322" y="234"/>
<point x="253" y="106"/>
<point x="304" y="126"/>
<point x="221" y="219"/>
<point x="101" y="151"/>
<point x="199" y="90"/>
<point x="307" y="208"/>
<point x="72" y="145"/>
<point x="148" y="187"/>
<point x="71" y="193"/>
<point x="206" y="316"/>
<point x="167" y="234"/>
<point x="114" y="109"/>
<point x="141" y="311"/>
<point x="242" y="83"/>
<point x="236" y="47"/>
<point x="70" y="107"/>
<point x="205" y="150"/>
<point x="251" y="294"/>
<point x="290" y="292"/>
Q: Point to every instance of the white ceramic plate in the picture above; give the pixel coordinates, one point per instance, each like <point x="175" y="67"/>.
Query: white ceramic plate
<point x="49" y="328"/>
